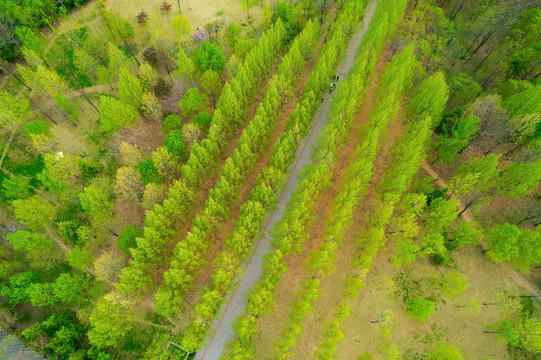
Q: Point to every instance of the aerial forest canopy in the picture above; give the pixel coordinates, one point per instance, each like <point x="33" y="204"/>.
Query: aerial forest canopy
<point x="254" y="179"/>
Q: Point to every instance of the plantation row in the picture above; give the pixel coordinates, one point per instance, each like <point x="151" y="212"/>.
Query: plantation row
<point x="190" y="253"/>
<point x="409" y="154"/>
<point x="162" y="221"/>
<point x="290" y="232"/>
<point x="272" y="177"/>
<point x="322" y="261"/>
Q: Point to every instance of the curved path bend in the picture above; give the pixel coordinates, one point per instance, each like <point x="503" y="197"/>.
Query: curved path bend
<point x="222" y="331"/>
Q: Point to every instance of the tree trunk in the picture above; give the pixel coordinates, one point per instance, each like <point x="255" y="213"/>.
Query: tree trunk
<point x="40" y="109"/>
<point x="179" y="11"/>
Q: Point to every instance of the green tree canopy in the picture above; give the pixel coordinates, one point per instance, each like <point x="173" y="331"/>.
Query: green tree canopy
<point x="115" y="114"/>
<point x="35" y="212"/>
<point x="192" y="102"/>
<point x="210" y="57"/>
<point x="445" y="352"/>
<point x="420" y="308"/>
<point x="174" y="143"/>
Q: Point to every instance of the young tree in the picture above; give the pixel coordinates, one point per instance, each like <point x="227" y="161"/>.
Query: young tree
<point x="17" y="288"/>
<point x="149" y="173"/>
<point x="79" y="258"/>
<point x="185" y="65"/>
<point x="431" y="98"/>
<point x="110" y="321"/>
<point x="108" y="266"/>
<point x="502" y="241"/>
<point x="167" y="164"/>
<point x="174" y="143"/>
<point x="95" y="201"/>
<point x="384" y="322"/>
<point x="127" y="238"/>
<point x="453" y="285"/>
<point x="519" y="179"/>
<point x="130" y="155"/>
<point x="16" y="187"/>
<point x="192" y="102"/>
<point x="115" y="114"/>
<point x="154" y="194"/>
<point x="211" y="84"/>
<point x="14" y="111"/>
<point x="147" y="77"/>
<point x="181" y="27"/>
<point x="192" y="134"/>
<point x="70" y="288"/>
<point x="129" y="88"/>
<point x="420" y="308"/>
<point x="128" y="183"/>
<point x="203" y="120"/>
<point x="172" y="122"/>
<point x="150" y="107"/>
<point x="35" y="212"/>
<point x="210" y="57"/>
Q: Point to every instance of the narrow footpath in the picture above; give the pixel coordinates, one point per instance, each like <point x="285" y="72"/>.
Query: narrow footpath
<point x="222" y="331"/>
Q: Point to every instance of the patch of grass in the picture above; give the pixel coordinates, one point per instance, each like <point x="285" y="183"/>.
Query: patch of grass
<point x="220" y="13"/>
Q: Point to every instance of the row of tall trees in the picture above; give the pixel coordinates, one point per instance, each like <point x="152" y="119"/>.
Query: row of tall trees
<point x="264" y="196"/>
<point x="190" y="253"/>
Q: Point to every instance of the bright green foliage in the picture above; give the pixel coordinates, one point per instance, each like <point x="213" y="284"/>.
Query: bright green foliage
<point x="192" y="102"/>
<point x="111" y="321"/>
<point x="211" y="84"/>
<point x="117" y="60"/>
<point x="172" y="122"/>
<point x="35" y="212"/>
<point x="203" y="120"/>
<point x="129" y="88"/>
<point x="476" y="173"/>
<point x="502" y="240"/>
<point x="431" y="97"/>
<point x="210" y="57"/>
<point x="519" y="179"/>
<point x="70" y="288"/>
<point x="68" y="107"/>
<point x="181" y="26"/>
<point x="525" y="102"/>
<point x="148" y="172"/>
<point x="41" y="294"/>
<point x="79" y="257"/>
<point x="37" y="127"/>
<point x="148" y="77"/>
<point x="17" y="288"/>
<point x="126" y="239"/>
<point x="95" y="201"/>
<point x="453" y="285"/>
<point x="185" y="65"/>
<point x="461" y="133"/>
<point x="13" y="110"/>
<point x="174" y="143"/>
<point x="420" y="308"/>
<point x="115" y="114"/>
<point x="28" y="242"/>
<point x="16" y="187"/>
<point x="167" y="164"/>
<point x="445" y="352"/>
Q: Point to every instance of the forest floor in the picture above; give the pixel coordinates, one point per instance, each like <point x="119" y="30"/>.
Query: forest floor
<point x="236" y="301"/>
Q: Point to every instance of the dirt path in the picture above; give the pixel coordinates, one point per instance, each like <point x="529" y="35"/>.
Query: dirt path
<point x="519" y="278"/>
<point x="236" y="301"/>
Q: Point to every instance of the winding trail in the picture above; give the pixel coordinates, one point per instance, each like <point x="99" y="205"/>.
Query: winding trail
<point x="236" y="301"/>
<point x="516" y="276"/>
